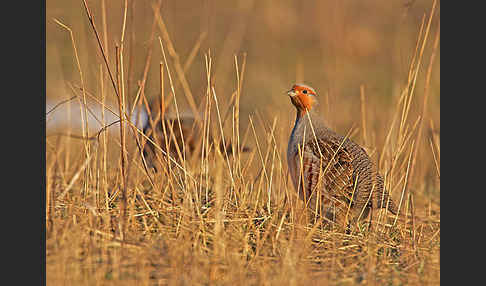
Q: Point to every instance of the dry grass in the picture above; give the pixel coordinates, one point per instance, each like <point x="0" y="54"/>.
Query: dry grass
<point x="217" y="219"/>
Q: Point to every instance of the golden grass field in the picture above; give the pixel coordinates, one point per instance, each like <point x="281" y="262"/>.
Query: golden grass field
<point x="212" y="219"/>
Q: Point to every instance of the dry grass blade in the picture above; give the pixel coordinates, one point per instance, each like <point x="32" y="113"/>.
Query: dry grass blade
<point x="437" y="164"/>
<point x="178" y="67"/>
<point x="222" y="136"/>
<point x="404" y="184"/>
<point x="123" y="149"/>
<point x="84" y="113"/>
<point x="60" y="103"/>
<point x="74" y="178"/>
<point x="103" y="53"/>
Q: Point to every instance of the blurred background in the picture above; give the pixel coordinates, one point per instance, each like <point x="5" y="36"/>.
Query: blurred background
<point x="341" y="48"/>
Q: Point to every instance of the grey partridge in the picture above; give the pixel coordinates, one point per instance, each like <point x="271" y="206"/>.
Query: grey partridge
<point x="190" y="140"/>
<point x="332" y="174"/>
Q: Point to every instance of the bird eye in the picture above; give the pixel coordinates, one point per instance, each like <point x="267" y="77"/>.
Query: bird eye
<point x="304" y="91"/>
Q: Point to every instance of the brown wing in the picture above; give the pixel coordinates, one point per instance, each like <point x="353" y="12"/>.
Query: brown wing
<point x="350" y="177"/>
<point x="327" y="172"/>
<point x="338" y="179"/>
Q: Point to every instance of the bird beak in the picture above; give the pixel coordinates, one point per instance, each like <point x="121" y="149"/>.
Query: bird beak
<point x="291" y="93"/>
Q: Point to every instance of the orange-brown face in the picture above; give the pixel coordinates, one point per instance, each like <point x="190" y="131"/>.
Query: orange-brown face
<point x="303" y="97"/>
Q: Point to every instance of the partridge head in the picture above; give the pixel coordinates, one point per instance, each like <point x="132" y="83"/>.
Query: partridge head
<point x="303" y="97"/>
